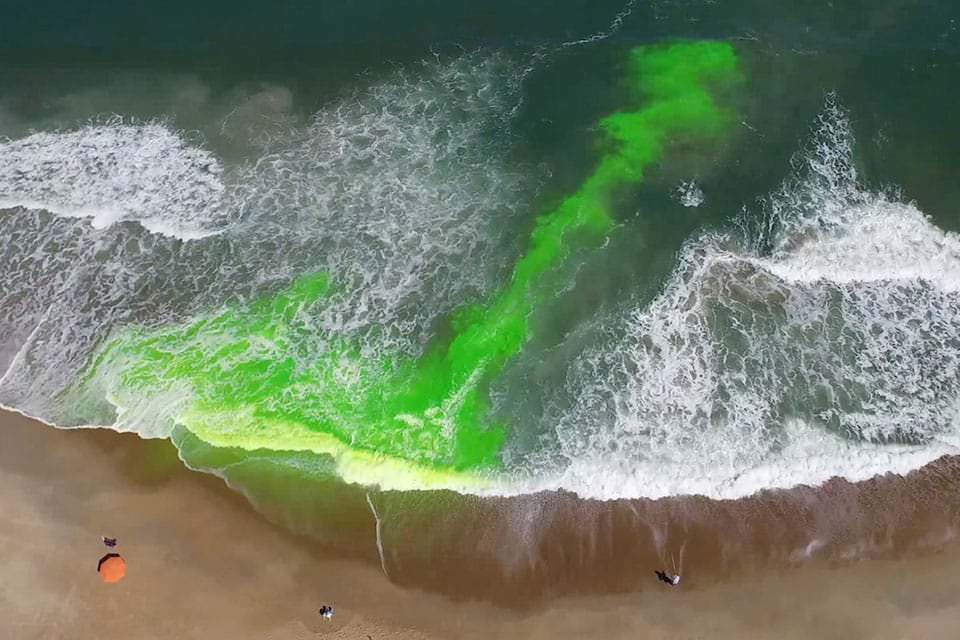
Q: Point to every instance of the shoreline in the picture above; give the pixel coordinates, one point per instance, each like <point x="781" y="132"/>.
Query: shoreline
<point x="523" y="551"/>
<point x="203" y="564"/>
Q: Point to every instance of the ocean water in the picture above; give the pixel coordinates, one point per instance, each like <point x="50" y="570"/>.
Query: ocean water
<point x="624" y="250"/>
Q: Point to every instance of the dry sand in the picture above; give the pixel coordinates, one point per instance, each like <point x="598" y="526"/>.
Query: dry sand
<point x="203" y="564"/>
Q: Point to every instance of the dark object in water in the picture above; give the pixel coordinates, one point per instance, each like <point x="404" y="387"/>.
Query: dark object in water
<point x="110" y="542"/>
<point x="663" y="576"/>
<point x="326" y="612"/>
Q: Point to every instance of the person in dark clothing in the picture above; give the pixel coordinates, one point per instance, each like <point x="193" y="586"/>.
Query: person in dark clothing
<point x="663" y="576"/>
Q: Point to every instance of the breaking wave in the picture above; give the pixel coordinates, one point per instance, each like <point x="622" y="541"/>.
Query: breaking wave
<point x="400" y="191"/>
<point x="114" y="171"/>
<point x="823" y="340"/>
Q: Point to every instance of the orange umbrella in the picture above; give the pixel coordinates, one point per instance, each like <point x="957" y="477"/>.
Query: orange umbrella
<point x="112" y="567"/>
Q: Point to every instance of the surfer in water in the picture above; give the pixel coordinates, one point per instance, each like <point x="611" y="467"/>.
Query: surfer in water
<point x="663" y="576"/>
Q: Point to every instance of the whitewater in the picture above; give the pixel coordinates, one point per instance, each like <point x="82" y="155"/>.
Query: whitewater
<point x="816" y="335"/>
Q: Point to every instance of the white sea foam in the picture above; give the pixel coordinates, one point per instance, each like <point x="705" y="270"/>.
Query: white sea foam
<point x="811" y="457"/>
<point x="402" y="188"/>
<point x="114" y="171"/>
<point x="401" y="191"/>
<point x="689" y="194"/>
<point x="831" y="347"/>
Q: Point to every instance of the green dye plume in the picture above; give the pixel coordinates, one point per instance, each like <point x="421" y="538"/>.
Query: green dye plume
<point x="253" y="377"/>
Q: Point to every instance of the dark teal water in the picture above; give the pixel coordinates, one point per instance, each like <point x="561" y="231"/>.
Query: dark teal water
<point x="894" y="63"/>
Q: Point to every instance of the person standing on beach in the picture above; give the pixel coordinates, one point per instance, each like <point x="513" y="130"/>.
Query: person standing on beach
<point x="663" y="576"/>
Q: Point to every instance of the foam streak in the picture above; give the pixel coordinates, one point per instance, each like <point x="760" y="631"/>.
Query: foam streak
<point x="376" y="517"/>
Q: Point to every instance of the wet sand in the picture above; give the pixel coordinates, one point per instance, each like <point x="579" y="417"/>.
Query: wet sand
<point x="868" y="560"/>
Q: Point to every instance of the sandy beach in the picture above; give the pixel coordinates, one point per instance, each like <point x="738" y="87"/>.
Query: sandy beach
<point x="204" y="564"/>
